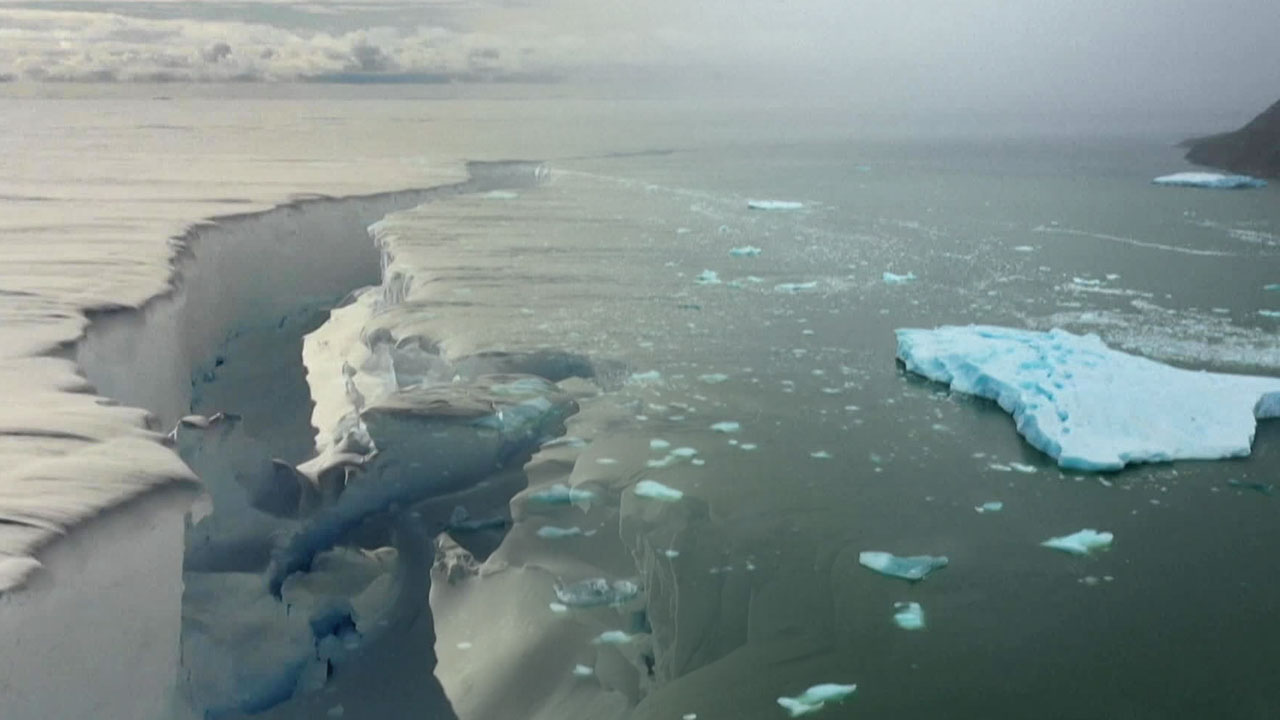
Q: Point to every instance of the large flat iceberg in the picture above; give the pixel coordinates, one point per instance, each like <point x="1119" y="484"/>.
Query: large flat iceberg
<point x="1090" y="407"/>
<point x="1210" y="180"/>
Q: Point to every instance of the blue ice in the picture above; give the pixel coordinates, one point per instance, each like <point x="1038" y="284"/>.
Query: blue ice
<point x="815" y="698"/>
<point x="1090" y="407"/>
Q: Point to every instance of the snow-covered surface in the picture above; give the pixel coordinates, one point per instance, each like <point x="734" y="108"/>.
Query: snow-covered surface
<point x="1210" y="180"/>
<point x="1090" y="407"/>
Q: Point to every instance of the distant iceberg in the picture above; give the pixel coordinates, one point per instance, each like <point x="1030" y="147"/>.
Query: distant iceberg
<point x="1210" y="180"/>
<point x="1090" y="407"/>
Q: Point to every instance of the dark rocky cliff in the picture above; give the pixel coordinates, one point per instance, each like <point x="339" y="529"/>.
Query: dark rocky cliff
<point x="1252" y="150"/>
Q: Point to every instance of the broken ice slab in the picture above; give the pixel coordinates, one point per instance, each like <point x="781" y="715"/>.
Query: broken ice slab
<point x="727" y="426"/>
<point x="583" y="671"/>
<point x="551" y="532"/>
<point x="596" y="592"/>
<point x="813" y="699"/>
<point x="612" y="637"/>
<point x="774" y="205"/>
<point x="713" y="378"/>
<point x="793" y="288"/>
<point x="1209" y="180"/>
<point x="908" y="615"/>
<point x="990" y="507"/>
<point x="1080" y="543"/>
<point x="561" y="494"/>
<point x="1091" y="407"/>
<point x="895" y="279"/>
<point x="913" y="568"/>
<point x="745" y="251"/>
<point x="655" y="490"/>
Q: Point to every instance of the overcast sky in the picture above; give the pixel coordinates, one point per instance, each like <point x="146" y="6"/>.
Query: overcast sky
<point x="1088" y="54"/>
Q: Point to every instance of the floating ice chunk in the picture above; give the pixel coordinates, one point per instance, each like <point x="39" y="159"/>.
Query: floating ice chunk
<point x="727" y="426"/>
<point x="990" y="507"/>
<point x="1000" y="467"/>
<point x="713" y="378"/>
<point x="912" y="568"/>
<point x="1024" y="248"/>
<point x="1269" y="313"/>
<point x="1090" y="407"/>
<point x="1273" y="287"/>
<point x="596" y="592"/>
<point x="689" y="716"/>
<point x="561" y="494"/>
<point x="645" y="378"/>
<point x="558" y="608"/>
<point x="1080" y="543"/>
<point x="1209" y="180"/>
<point x="606" y="461"/>
<point x="895" y="279"/>
<point x="748" y="446"/>
<point x="813" y="699"/>
<point x="1086" y="281"/>
<point x="908" y="615"/>
<point x="658" y="444"/>
<point x="464" y="645"/>
<point x="500" y="195"/>
<point x="655" y="490"/>
<point x="684" y="452"/>
<point x="792" y="288"/>
<point x="774" y="205"/>
<point x="820" y="455"/>
<point x="551" y="532"/>
<point x="582" y="671"/>
<point x="671" y="553"/>
<point x="745" y="251"/>
<point x="1022" y="467"/>
<point x="708" y="277"/>
<point x="612" y="637"/>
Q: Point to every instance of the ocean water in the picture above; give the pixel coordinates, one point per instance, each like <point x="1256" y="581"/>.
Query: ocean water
<point x="751" y="587"/>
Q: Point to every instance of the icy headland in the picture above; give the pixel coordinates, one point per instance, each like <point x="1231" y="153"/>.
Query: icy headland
<point x="1090" y="407"/>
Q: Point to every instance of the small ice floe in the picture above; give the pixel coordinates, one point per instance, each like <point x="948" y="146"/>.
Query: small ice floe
<point x="713" y="378"/>
<point x="774" y="205"/>
<point x="658" y="444"/>
<point x="1000" y="467"/>
<point x="500" y="195"/>
<point x="596" y="592"/>
<point x="895" y="279"/>
<point x="1209" y="180"/>
<point x="727" y="426"/>
<point x="748" y="446"/>
<point x="989" y="507"/>
<point x="1269" y="313"/>
<point x="551" y="532"/>
<point x="708" y="277"/>
<point x="1022" y="467"/>
<point x="1080" y="543"/>
<point x="561" y="494"/>
<point x="820" y="455"/>
<point x="813" y="699"/>
<point x="1273" y="287"/>
<point x="684" y="452"/>
<point x="558" y="608"/>
<point x="645" y="378"/>
<point x="464" y="645"/>
<point x="745" y="251"/>
<point x="582" y="671"/>
<point x="699" y="462"/>
<point x="908" y="615"/>
<point x="673" y="554"/>
<point x="689" y="716"/>
<point x="913" y="568"/>
<point x="1264" y="488"/>
<point x="654" y="490"/>
<point x="1023" y="248"/>
<point x="606" y="461"/>
<point x="611" y="637"/>
<point x="793" y="288"/>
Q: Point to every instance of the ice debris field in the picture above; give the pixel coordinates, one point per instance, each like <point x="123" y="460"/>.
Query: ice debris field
<point x="1091" y="407"/>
